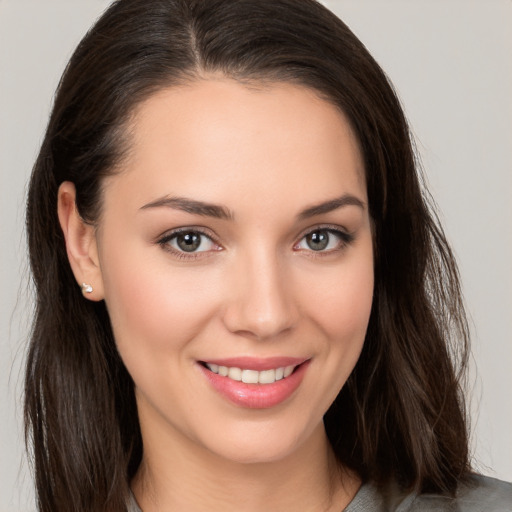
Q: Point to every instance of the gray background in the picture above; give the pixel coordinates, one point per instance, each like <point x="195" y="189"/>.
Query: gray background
<point x="451" y="63"/>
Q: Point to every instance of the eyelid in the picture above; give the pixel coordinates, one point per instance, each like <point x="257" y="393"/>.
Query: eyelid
<point x="164" y="238"/>
<point x="186" y="229"/>
<point x="346" y="237"/>
<point x="344" y="234"/>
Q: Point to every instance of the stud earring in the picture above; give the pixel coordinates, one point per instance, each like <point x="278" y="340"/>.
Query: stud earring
<point x="86" y="288"/>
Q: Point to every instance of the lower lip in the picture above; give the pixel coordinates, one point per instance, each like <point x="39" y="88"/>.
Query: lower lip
<point x="256" y="396"/>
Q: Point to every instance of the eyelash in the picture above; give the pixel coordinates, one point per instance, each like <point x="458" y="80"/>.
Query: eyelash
<point x="345" y="239"/>
<point x="164" y="243"/>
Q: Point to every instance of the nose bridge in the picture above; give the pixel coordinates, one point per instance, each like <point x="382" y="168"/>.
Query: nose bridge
<point x="262" y="305"/>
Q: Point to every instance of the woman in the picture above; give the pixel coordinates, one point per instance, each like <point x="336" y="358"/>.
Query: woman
<point x="243" y="299"/>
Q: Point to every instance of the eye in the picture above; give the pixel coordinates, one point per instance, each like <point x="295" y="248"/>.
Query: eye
<point x="188" y="241"/>
<point x="324" y="240"/>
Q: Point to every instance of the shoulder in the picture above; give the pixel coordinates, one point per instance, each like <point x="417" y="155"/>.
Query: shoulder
<point x="132" y="505"/>
<point x="476" y="494"/>
<point x="489" y="492"/>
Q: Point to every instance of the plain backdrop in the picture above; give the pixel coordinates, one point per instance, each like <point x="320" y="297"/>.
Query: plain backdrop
<point x="451" y="62"/>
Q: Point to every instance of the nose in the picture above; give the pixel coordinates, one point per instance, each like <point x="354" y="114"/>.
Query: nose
<point x="262" y="303"/>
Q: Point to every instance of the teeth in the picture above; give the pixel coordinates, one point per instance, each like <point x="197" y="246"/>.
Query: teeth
<point x="267" y="377"/>
<point x="288" y="371"/>
<point x="235" y="374"/>
<point x="252" y="376"/>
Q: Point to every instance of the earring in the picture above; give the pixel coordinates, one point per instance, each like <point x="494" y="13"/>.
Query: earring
<point x="86" y="288"/>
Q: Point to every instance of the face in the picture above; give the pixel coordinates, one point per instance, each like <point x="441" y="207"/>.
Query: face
<point x="234" y="244"/>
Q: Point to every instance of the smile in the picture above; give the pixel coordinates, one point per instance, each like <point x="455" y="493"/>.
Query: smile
<point x="252" y="376"/>
<point x="255" y="383"/>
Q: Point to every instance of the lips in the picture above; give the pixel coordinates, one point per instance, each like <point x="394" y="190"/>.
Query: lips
<point x="252" y="376"/>
<point x="255" y="383"/>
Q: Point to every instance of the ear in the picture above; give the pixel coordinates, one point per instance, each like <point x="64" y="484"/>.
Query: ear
<point x="81" y="243"/>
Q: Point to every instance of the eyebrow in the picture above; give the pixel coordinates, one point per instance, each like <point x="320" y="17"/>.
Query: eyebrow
<point x="191" y="206"/>
<point x="331" y="205"/>
<point x="221" y="212"/>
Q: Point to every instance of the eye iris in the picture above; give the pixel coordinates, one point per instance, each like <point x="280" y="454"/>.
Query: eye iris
<point x="318" y="240"/>
<point x="188" y="242"/>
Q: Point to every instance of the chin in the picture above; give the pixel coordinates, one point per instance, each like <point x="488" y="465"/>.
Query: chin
<point x="256" y="453"/>
<point x="259" y="444"/>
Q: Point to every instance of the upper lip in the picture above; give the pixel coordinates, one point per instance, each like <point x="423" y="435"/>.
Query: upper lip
<point x="257" y="363"/>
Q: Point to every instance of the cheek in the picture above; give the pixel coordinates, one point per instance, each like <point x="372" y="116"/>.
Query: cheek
<point x="341" y="300"/>
<point x="352" y="302"/>
<point x="152" y="305"/>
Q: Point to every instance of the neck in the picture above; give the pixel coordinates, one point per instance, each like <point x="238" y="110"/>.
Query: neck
<point x="183" y="476"/>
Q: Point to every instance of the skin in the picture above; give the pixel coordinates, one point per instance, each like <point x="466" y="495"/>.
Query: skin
<point x="255" y="288"/>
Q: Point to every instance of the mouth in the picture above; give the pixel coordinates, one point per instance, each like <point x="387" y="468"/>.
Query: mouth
<point x="249" y="376"/>
<point x="256" y="384"/>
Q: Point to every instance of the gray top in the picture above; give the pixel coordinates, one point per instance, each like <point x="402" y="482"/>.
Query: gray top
<point x="479" y="494"/>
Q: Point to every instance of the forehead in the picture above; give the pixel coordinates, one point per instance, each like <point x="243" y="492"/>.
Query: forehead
<point x="221" y="139"/>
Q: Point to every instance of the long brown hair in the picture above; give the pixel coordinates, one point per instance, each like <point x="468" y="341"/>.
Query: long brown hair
<point x="400" y="416"/>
